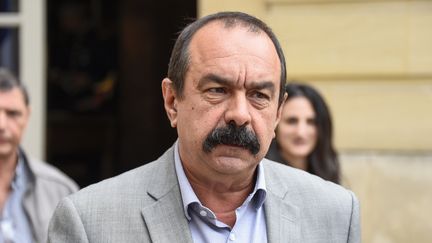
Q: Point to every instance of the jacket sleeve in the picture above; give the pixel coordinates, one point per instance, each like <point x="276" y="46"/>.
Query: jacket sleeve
<point x="66" y="225"/>
<point x="354" y="234"/>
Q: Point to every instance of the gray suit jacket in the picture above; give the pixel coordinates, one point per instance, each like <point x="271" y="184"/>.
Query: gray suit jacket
<point x="47" y="186"/>
<point x="144" y="205"/>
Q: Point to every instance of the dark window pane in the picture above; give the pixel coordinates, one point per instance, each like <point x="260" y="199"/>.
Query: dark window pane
<point x="82" y="56"/>
<point x="9" y="5"/>
<point x="9" y="49"/>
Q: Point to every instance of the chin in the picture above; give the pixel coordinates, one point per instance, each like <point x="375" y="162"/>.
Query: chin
<point x="231" y="152"/>
<point x="233" y="164"/>
<point x="232" y="168"/>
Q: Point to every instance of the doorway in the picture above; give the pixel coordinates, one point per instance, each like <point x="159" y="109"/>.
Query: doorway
<point x="106" y="61"/>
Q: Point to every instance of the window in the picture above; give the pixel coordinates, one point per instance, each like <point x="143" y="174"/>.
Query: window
<point x="22" y="50"/>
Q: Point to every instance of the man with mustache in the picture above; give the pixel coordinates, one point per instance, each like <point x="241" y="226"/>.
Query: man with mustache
<point x="223" y="94"/>
<point x="29" y="189"/>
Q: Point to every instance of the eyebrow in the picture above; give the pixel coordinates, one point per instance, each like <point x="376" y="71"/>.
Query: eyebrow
<point x="264" y="85"/>
<point x="14" y="111"/>
<point x="215" y="79"/>
<point x="258" y="85"/>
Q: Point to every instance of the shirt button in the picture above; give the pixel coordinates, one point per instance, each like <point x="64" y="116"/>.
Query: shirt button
<point x="232" y="237"/>
<point x="203" y="213"/>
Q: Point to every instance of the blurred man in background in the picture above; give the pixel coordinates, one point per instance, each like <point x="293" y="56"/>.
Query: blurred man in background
<point x="29" y="189"/>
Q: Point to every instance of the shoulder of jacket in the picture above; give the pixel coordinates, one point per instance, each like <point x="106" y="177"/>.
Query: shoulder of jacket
<point x="295" y="182"/>
<point x="42" y="171"/>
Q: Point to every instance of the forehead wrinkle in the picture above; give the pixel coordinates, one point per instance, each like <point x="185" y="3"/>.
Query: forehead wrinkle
<point x="209" y="54"/>
<point x="203" y="50"/>
<point x="258" y="85"/>
<point x="212" y="77"/>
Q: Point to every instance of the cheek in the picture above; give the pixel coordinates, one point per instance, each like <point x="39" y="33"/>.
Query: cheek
<point x="263" y="125"/>
<point x="269" y="121"/>
<point x="285" y="131"/>
<point x="20" y="127"/>
<point x="284" y="136"/>
<point x="197" y="121"/>
<point x="314" y="135"/>
<point x="312" y="131"/>
<point x="16" y="130"/>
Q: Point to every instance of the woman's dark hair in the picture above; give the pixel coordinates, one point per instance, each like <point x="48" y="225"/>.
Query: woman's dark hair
<point x="323" y="161"/>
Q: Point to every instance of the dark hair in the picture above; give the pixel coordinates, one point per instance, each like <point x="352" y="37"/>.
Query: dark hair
<point x="323" y="161"/>
<point x="8" y="82"/>
<point x="180" y="56"/>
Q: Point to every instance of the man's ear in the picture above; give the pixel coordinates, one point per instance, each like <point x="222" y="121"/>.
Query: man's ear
<point x="279" y="113"/>
<point x="170" y="101"/>
<point x="27" y="116"/>
<point x="28" y="112"/>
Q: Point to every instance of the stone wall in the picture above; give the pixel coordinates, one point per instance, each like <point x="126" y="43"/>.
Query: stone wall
<point x="395" y="192"/>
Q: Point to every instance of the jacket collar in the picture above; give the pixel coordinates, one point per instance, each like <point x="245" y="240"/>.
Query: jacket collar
<point x="282" y="216"/>
<point x="166" y="221"/>
<point x="165" y="218"/>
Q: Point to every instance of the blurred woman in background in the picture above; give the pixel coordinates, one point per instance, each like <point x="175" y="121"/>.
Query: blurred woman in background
<point x="304" y="135"/>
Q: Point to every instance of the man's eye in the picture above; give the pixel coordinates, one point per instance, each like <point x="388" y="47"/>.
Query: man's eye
<point x="13" y="114"/>
<point x="261" y="96"/>
<point x="218" y="90"/>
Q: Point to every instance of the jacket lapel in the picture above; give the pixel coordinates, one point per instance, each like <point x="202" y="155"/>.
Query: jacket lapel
<point x="165" y="219"/>
<point x="282" y="217"/>
<point x="282" y="220"/>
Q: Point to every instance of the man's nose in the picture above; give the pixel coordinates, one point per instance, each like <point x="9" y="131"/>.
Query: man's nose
<point x="238" y="111"/>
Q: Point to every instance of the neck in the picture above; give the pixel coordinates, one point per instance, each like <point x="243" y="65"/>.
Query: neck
<point x="223" y="194"/>
<point x="7" y="172"/>
<point x="8" y="165"/>
<point x="295" y="161"/>
<point x="224" y="188"/>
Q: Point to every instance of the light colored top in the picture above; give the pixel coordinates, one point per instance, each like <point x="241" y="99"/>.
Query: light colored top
<point x="250" y="225"/>
<point x="15" y="226"/>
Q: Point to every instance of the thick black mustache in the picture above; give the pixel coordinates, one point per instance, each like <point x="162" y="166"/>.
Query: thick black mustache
<point x="232" y="135"/>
